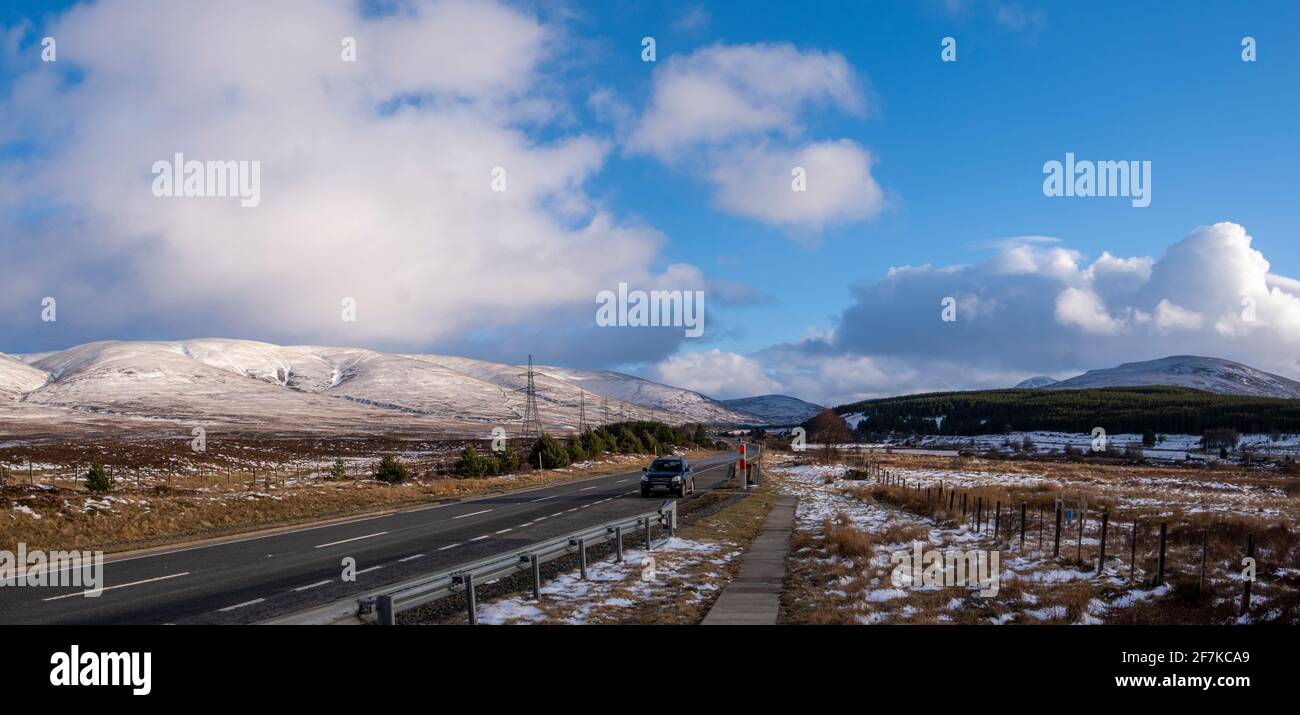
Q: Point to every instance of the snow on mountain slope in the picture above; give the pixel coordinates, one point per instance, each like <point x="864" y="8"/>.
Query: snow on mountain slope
<point x="1200" y="373"/>
<point x="265" y="386"/>
<point x="778" y="410"/>
<point x="649" y="394"/>
<point x="560" y="393"/>
<point x="1034" y="383"/>
<point x="17" y="377"/>
<point x="162" y="380"/>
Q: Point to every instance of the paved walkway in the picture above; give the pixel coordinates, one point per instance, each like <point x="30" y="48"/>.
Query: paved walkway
<point x="754" y="598"/>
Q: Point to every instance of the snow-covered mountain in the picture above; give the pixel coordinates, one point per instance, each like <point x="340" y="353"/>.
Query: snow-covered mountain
<point x="289" y="389"/>
<point x="1200" y="373"/>
<point x="1035" y="382"/>
<point x="17" y="377"/>
<point x="781" y="410"/>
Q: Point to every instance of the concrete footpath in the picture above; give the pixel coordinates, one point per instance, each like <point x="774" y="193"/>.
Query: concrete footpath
<point x="754" y="597"/>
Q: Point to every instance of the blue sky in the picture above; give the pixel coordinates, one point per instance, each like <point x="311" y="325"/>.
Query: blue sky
<point x="957" y="150"/>
<point x="961" y="145"/>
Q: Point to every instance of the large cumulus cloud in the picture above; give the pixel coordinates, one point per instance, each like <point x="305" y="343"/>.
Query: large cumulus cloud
<point x="375" y="177"/>
<point x="1037" y="307"/>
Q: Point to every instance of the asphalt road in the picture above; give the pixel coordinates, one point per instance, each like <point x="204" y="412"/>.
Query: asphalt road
<point x="252" y="579"/>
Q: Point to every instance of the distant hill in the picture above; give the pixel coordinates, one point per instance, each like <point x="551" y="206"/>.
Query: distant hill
<point x="1033" y="382"/>
<point x="775" y="410"/>
<point x="1177" y="410"/>
<point x="1198" y="373"/>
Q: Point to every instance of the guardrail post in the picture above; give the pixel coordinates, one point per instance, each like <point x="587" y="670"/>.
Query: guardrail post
<point x="471" y="604"/>
<point x="537" y="576"/>
<point x="618" y="544"/>
<point x="384" y="615"/>
<point x="649" y="545"/>
<point x="582" y="558"/>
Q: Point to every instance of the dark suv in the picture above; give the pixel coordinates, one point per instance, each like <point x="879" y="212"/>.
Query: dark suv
<point x="670" y="475"/>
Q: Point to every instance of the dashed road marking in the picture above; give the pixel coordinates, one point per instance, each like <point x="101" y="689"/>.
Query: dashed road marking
<point x="240" y="605"/>
<point x="313" y="585"/>
<point x="355" y="538"/>
<point x="120" y="585"/>
<point x="449" y="546"/>
<point x="476" y="513"/>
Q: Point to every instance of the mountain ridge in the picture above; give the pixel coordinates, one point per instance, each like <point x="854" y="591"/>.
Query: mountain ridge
<point x="1211" y="374"/>
<point x="249" y="382"/>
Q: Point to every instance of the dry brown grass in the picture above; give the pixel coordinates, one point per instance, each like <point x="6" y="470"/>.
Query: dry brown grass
<point x="841" y="538"/>
<point x="1067" y="596"/>
<point x="161" y="515"/>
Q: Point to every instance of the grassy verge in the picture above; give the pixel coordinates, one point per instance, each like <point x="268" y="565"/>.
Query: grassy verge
<point x="46" y="517"/>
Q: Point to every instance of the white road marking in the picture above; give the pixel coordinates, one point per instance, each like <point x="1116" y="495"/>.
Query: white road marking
<point x="540" y="518"/>
<point x="120" y="585"/>
<point x="480" y="538"/>
<point x="240" y="605"/>
<point x="534" y="501"/>
<point x="566" y="511"/>
<point x="412" y="558"/>
<point x="313" y="585"/>
<point x="476" y="513"/>
<point x="587" y="489"/>
<point x="355" y="538"/>
<point x="505" y="530"/>
<point x="372" y="568"/>
<point x="558" y="513"/>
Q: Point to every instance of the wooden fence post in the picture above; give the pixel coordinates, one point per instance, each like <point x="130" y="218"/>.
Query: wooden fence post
<point x="1245" y="592"/>
<point x="1023" y="506"/>
<point x="1200" y="586"/>
<point x="1132" y="560"/>
<point x="1101" y="557"/>
<point x="1083" y="519"/>
<point x="1160" y="561"/>
<point x="1056" y="548"/>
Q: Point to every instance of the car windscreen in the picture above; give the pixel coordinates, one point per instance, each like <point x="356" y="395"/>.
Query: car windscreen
<point x="667" y="465"/>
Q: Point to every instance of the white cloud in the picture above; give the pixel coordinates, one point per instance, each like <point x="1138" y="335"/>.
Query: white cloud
<point x="733" y="114"/>
<point x="1082" y="309"/>
<point x="840" y="187"/>
<point x="722" y="92"/>
<point x="1171" y="317"/>
<point x="722" y="375"/>
<point x="376" y="175"/>
<point x="1040" y="309"/>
